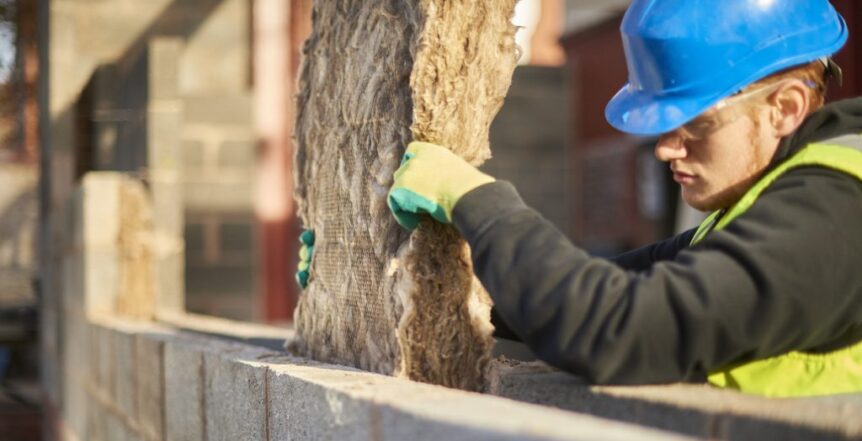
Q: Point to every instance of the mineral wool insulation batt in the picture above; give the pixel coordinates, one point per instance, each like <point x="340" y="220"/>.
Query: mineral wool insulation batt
<point x="377" y="75"/>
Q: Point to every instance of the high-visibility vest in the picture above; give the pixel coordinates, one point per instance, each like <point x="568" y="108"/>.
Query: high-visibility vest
<point x="795" y="373"/>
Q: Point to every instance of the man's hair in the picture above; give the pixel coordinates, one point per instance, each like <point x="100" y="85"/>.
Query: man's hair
<point x="813" y="74"/>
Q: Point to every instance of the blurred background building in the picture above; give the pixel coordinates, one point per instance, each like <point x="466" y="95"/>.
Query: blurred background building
<point x="196" y="98"/>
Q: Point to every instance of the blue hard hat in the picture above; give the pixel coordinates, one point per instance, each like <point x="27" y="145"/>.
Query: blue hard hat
<point x="683" y="56"/>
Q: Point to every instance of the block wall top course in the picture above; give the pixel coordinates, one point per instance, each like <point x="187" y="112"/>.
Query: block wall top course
<point x="423" y="411"/>
<point x="234" y="330"/>
<point x="235" y="388"/>
<point x="311" y="400"/>
<point x="395" y="407"/>
<point x="693" y="409"/>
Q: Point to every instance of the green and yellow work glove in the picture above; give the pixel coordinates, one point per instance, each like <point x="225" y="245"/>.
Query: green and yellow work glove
<point x="430" y="181"/>
<point x="305" y="252"/>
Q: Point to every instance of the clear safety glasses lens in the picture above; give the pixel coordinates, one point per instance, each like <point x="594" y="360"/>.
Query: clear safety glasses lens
<point x="722" y="113"/>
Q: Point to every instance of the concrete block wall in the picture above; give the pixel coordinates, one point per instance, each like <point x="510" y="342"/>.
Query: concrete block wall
<point x="218" y="178"/>
<point x="164" y="170"/>
<point x="211" y="389"/>
<point x="151" y="382"/>
<point x="128" y="379"/>
<point x="696" y="410"/>
<point x="154" y="383"/>
<point x="218" y="146"/>
<point x="129" y="119"/>
<point x="95" y="263"/>
<point x="201" y="48"/>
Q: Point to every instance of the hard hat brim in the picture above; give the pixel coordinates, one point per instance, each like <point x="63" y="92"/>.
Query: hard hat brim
<point x="641" y="113"/>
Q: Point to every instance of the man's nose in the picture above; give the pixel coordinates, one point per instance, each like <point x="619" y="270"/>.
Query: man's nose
<point x="669" y="147"/>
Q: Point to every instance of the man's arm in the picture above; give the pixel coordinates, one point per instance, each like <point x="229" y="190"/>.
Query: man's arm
<point x="643" y="258"/>
<point x="640" y="259"/>
<point x="776" y="279"/>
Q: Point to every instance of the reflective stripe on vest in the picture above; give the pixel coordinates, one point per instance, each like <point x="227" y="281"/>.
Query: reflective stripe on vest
<point x="795" y="373"/>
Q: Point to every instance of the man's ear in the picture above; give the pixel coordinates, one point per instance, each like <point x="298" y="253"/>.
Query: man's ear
<point x="789" y="107"/>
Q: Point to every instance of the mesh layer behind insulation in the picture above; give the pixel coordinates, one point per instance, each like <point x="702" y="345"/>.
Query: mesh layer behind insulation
<point x="378" y="74"/>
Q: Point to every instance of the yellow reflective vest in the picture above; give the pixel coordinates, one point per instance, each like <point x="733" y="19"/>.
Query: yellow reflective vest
<point x="795" y="373"/>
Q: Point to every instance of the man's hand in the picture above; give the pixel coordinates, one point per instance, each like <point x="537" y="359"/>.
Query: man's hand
<point x="430" y="181"/>
<point x="305" y="252"/>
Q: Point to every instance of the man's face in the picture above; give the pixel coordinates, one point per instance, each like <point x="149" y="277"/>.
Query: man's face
<point x="719" y="155"/>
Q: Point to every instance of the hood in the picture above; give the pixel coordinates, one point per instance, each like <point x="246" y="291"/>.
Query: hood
<point x="833" y="120"/>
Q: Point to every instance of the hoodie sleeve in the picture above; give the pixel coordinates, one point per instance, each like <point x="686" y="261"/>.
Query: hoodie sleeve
<point x="645" y="257"/>
<point x="778" y="278"/>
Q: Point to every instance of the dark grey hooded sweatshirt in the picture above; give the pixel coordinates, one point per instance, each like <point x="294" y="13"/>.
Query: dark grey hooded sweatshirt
<point x="785" y="275"/>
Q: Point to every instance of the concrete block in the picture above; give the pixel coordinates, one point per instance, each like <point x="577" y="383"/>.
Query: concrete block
<point x="558" y="389"/>
<point x="75" y="399"/>
<point x="237" y="154"/>
<point x="192" y="155"/>
<point x="301" y="410"/>
<point x="94" y="355"/>
<point x="237" y="236"/>
<point x="164" y="55"/>
<point x="215" y="57"/>
<point x="100" y="200"/>
<point x="105" y="366"/>
<point x="72" y="280"/>
<point x="230" y="110"/>
<point x="97" y="422"/>
<point x="184" y="380"/>
<point x="126" y="372"/>
<point x="168" y="264"/>
<point x="694" y="410"/>
<point x="742" y="428"/>
<point x="235" y="398"/>
<point x="169" y="278"/>
<point x="103" y="29"/>
<point x="150" y="386"/>
<point x="49" y="352"/>
<point x="164" y="125"/>
<point x="437" y="413"/>
<point x="71" y="223"/>
<point x="166" y="191"/>
<point x="75" y="406"/>
<point x="227" y="194"/>
<point x="309" y="401"/>
<point x="116" y="429"/>
<point x="101" y="278"/>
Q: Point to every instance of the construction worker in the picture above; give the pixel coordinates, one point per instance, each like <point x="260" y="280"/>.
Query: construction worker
<point x="764" y="297"/>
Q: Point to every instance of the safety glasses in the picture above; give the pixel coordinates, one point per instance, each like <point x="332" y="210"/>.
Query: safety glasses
<point x="724" y="112"/>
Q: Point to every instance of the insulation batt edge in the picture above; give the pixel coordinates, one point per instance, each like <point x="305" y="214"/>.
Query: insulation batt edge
<point x="377" y="75"/>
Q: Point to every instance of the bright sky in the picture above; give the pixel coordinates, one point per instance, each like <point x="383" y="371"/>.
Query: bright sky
<point x="526" y="16"/>
<point x="7" y="51"/>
